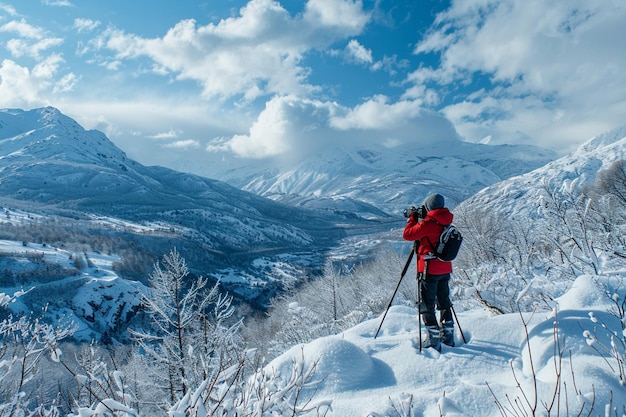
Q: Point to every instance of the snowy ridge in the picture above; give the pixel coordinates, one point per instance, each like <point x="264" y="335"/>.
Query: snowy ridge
<point x="387" y="179"/>
<point x="47" y="134"/>
<point x="362" y="376"/>
<point x="519" y="196"/>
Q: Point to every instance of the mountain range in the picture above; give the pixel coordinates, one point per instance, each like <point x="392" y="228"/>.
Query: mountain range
<point x="519" y="196"/>
<point x="374" y="181"/>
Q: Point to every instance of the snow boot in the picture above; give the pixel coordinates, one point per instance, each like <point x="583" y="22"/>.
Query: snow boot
<point x="434" y="338"/>
<point x="447" y="333"/>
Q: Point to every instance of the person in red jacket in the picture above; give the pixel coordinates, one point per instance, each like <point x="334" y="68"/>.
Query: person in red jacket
<point x="425" y="226"/>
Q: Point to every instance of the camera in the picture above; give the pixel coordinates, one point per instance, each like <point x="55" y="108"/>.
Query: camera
<point x="419" y="212"/>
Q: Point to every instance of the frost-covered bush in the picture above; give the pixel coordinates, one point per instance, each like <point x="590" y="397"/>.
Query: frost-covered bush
<point x="508" y="263"/>
<point x="341" y="298"/>
<point x="263" y="393"/>
<point x="24" y="341"/>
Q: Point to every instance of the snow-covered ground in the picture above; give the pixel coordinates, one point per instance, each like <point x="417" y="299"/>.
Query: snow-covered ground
<point x="389" y="376"/>
<point x="95" y="298"/>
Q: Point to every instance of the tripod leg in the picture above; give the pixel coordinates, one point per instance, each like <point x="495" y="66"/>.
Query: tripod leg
<point x="419" y="307"/>
<point x="458" y="325"/>
<point x="406" y="267"/>
<point x="419" y="298"/>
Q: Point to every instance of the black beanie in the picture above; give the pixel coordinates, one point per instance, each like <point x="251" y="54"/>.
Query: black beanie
<point x="434" y="201"/>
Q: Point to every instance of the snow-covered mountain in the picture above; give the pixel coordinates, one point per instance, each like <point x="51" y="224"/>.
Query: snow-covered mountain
<point x="68" y="178"/>
<point x="519" y="196"/>
<point x="373" y="180"/>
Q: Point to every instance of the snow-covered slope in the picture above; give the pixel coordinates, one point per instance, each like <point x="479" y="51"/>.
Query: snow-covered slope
<point x="51" y="167"/>
<point x="519" y="196"/>
<point x="387" y="179"/>
<point x="69" y="285"/>
<point x="358" y="375"/>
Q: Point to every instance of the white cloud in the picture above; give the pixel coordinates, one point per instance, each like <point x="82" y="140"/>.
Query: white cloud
<point x="23" y="29"/>
<point x="276" y="130"/>
<point x="341" y="16"/>
<point x="33" y="39"/>
<point x="183" y="144"/>
<point x="85" y="25"/>
<point x="170" y="134"/>
<point x="376" y="113"/>
<point x="8" y="9"/>
<point x="19" y="47"/>
<point x="358" y="53"/>
<point x="66" y="83"/>
<point x="553" y="65"/>
<point x="259" y="52"/>
<point x="20" y="87"/>
<point x="295" y="127"/>
<point x="57" y="3"/>
<point x="404" y="121"/>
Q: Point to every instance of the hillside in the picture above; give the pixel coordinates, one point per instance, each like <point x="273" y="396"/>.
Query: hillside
<point x="74" y="188"/>
<point x="84" y="288"/>
<point x="551" y="340"/>
<point x="357" y="375"/>
<point x="520" y="196"/>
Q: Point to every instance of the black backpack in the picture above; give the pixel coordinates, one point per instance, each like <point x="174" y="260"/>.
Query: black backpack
<point x="449" y="243"/>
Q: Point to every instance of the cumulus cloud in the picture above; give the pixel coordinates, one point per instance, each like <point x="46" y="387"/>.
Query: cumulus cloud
<point x="337" y="18"/>
<point x="358" y="53"/>
<point x="258" y="52"/>
<point x="550" y="65"/>
<point x="20" y="47"/>
<point x="21" y="87"/>
<point x="23" y="29"/>
<point x="295" y="127"/>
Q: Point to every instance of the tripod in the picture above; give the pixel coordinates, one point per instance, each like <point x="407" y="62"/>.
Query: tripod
<point x="406" y="267"/>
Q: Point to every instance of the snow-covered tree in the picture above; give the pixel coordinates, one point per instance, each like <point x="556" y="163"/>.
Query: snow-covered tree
<point x="24" y="341"/>
<point x="192" y="335"/>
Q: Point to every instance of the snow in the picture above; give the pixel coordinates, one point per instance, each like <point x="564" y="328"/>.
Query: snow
<point x="505" y="357"/>
<point x="363" y="376"/>
<point x="95" y="300"/>
<point x="366" y="179"/>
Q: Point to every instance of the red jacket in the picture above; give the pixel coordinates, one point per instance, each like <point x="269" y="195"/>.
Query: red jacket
<point x="427" y="232"/>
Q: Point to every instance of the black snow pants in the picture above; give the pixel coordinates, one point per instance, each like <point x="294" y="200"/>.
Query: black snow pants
<point x="435" y="289"/>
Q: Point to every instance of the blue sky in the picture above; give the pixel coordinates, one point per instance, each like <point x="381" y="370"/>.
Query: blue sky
<point x="169" y="81"/>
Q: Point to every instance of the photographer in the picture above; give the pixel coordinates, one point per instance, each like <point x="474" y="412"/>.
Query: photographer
<point x="425" y="225"/>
